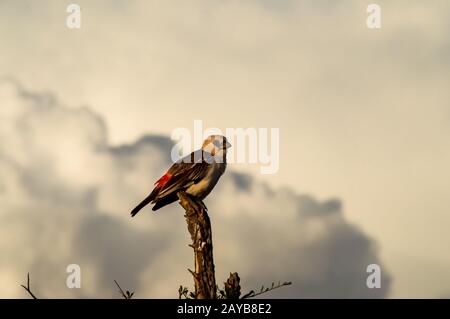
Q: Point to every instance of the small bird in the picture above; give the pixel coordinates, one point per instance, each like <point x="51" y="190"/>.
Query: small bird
<point x="196" y="174"/>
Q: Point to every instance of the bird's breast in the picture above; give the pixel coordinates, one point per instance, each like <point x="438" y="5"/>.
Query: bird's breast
<point x="202" y="188"/>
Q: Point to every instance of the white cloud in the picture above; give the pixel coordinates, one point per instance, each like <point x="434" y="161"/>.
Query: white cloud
<point x="66" y="194"/>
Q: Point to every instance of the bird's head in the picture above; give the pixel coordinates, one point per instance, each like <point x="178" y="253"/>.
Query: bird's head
<point x="216" y="145"/>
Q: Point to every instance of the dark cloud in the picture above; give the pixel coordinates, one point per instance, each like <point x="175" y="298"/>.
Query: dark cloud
<point x="110" y="245"/>
<point x="242" y="181"/>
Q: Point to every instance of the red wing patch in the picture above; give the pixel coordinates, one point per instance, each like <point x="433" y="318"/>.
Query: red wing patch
<point x="163" y="180"/>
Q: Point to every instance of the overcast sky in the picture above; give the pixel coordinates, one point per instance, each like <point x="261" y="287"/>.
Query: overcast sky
<point x="364" y="125"/>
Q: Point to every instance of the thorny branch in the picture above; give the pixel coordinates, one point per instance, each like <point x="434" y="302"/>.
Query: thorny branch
<point x="199" y="226"/>
<point x="263" y="290"/>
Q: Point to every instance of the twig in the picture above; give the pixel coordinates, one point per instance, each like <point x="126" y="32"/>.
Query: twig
<point x="127" y="294"/>
<point x="263" y="290"/>
<point x="27" y="288"/>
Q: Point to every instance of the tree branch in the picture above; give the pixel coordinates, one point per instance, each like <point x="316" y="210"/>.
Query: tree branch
<point x="232" y="287"/>
<point x="199" y="226"/>
<point x="28" y="288"/>
<point x="125" y="294"/>
<point x="263" y="290"/>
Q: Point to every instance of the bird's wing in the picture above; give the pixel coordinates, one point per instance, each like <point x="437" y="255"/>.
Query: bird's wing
<point x="183" y="174"/>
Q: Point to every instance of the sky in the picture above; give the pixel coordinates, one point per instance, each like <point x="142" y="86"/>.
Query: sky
<point x="86" y="117"/>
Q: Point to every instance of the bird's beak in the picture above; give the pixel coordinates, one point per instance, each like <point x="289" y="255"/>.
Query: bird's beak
<point x="227" y="145"/>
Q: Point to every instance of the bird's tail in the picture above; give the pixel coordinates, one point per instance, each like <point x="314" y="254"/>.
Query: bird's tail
<point x="142" y="204"/>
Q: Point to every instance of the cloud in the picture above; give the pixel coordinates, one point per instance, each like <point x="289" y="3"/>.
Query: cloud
<point x="66" y="193"/>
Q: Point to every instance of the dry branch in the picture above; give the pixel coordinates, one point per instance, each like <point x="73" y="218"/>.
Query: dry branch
<point x="28" y="288"/>
<point x="199" y="226"/>
<point x="125" y="294"/>
<point x="232" y="286"/>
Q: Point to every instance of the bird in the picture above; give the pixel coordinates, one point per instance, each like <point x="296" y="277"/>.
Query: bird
<point x="196" y="174"/>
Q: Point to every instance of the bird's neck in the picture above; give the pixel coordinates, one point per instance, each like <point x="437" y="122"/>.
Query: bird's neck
<point x="216" y="157"/>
